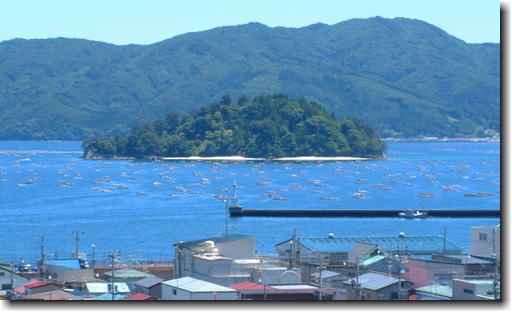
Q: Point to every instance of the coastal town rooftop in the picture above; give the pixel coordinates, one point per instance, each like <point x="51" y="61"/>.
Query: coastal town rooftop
<point x="216" y="240"/>
<point x="412" y="244"/>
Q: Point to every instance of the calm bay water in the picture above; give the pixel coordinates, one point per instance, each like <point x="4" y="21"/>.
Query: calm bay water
<point x="143" y="208"/>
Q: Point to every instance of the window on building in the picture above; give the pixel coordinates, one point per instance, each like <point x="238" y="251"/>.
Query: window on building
<point x="482" y="236"/>
<point x="2" y="273"/>
<point x="174" y="292"/>
<point x="6" y="286"/>
<point x="468" y="291"/>
<point x="394" y="296"/>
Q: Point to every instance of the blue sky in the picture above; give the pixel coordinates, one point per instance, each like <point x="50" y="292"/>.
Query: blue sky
<point x="149" y="21"/>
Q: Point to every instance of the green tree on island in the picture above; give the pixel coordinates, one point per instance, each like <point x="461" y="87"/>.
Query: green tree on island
<point x="269" y="126"/>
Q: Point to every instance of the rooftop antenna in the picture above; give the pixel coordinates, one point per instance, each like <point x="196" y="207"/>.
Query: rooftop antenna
<point x="226" y="220"/>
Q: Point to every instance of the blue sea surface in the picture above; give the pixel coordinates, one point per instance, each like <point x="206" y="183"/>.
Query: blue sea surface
<point x="142" y="208"/>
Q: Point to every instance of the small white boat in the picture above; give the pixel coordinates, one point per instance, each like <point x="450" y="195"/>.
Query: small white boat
<point x="412" y="214"/>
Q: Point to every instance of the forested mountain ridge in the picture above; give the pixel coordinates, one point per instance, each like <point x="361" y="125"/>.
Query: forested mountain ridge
<point x="271" y="126"/>
<point x="404" y="77"/>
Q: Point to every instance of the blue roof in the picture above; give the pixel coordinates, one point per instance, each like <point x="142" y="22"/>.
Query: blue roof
<point x="413" y="244"/>
<point x="72" y="264"/>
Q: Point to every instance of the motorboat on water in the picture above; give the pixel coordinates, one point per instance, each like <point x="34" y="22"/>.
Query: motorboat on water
<point x="413" y="214"/>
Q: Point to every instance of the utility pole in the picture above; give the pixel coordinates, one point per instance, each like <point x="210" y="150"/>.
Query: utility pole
<point x="93" y="255"/>
<point x="264" y="292"/>
<point x="77" y="238"/>
<point x="294" y="239"/>
<point x="401" y="236"/>
<point x="113" y="256"/>
<point x="495" y="256"/>
<point x="226" y="221"/>
<point x="358" y="296"/>
<point x="290" y="255"/>
<point x="12" y="274"/>
<point x="400" y="275"/>
<point x="496" y="279"/>
<point x="41" y="268"/>
<point x="320" y="279"/>
<point x="444" y="241"/>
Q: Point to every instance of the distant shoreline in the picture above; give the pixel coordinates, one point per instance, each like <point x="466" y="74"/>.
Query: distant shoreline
<point x="435" y="139"/>
<point x="241" y="158"/>
<point x="230" y="158"/>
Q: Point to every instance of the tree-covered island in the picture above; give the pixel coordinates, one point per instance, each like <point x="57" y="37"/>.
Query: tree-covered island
<point x="271" y="126"/>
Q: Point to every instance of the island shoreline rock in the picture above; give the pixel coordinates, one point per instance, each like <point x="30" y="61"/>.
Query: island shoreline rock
<point x="229" y="158"/>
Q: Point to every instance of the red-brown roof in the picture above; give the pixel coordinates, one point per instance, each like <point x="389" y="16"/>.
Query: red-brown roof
<point x="140" y="297"/>
<point x="52" y="295"/>
<point x="32" y="284"/>
<point x="36" y="284"/>
<point x="20" y="290"/>
<point x="250" y="286"/>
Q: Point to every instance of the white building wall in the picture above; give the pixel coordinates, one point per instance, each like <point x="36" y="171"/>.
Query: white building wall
<point x="215" y="296"/>
<point x="239" y="249"/>
<point x="181" y="294"/>
<point x="465" y="290"/>
<point x="485" y="241"/>
<point x="69" y="275"/>
<point x="142" y="290"/>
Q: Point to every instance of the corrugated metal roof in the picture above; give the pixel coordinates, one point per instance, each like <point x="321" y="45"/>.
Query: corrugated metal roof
<point x="195" y="285"/>
<point x="467" y="259"/>
<point x="36" y="284"/>
<point x="372" y="260"/>
<point x="437" y="289"/>
<point x="413" y="244"/>
<point x="359" y="251"/>
<point x="295" y="287"/>
<point x="216" y="240"/>
<point x="248" y="286"/>
<point x="325" y="274"/>
<point x="373" y="281"/>
<point x="127" y="273"/>
<point x="102" y="287"/>
<point x="53" y="295"/>
<point x="140" y="297"/>
<point x="72" y="264"/>
<point x="149" y="281"/>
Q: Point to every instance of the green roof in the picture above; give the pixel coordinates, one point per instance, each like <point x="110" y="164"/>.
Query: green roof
<point x="216" y="240"/>
<point x="128" y="273"/>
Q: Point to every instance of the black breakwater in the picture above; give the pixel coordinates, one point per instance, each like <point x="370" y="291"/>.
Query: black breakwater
<point x="445" y="213"/>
